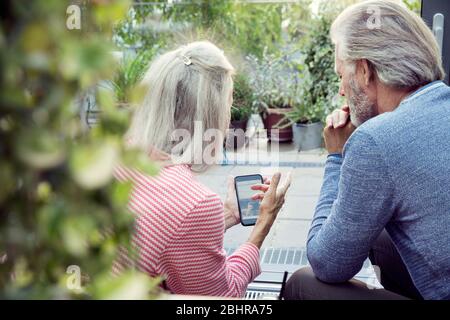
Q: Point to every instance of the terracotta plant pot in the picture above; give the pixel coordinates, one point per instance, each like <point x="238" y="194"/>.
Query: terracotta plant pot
<point x="272" y="117"/>
<point x="236" y="137"/>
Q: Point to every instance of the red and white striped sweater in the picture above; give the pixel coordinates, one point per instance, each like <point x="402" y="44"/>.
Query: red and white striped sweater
<point x="179" y="231"/>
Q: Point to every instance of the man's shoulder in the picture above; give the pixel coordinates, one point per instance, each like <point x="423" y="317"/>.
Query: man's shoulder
<point x="377" y="128"/>
<point x="416" y="113"/>
<point x="408" y="124"/>
<point x="378" y="135"/>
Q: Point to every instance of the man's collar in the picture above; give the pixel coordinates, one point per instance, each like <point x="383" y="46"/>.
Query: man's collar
<point x="423" y="90"/>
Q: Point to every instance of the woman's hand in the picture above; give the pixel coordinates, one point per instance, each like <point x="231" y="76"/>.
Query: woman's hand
<point x="271" y="203"/>
<point x="260" y="187"/>
<point x="230" y="207"/>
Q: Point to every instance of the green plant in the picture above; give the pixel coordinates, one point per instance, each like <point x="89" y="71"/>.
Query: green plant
<point x="414" y="5"/>
<point x="129" y="74"/>
<point x="62" y="215"/>
<point x="319" y="90"/>
<point x="242" y="98"/>
<point x="298" y="15"/>
<point x="273" y="79"/>
<point x="240" y="27"/>
<point x="140" y="29"/>
<point x="247" y="27"/>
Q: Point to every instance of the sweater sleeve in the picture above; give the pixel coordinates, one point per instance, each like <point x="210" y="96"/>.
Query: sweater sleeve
<point x="196" y="263"/>
<point x="355" y="204"/>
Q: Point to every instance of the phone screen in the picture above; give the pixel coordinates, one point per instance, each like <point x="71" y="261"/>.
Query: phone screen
<point x="248" y="208"/>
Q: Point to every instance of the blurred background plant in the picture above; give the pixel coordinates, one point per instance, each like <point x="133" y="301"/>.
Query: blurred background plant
<point x="242" y="106"/>
<point x="318" y="94"/>
<point x="130" y="72"/>
<point x="276" y="87"/>
<point x="274" y="79"/>
<point x="236" y="25"/>
<point x="253" y="35"/>
<point x="256" y="35"/>
<point x="62" y="215"/>
<point x="414" y="5"/>
<point x="241" y="110"/>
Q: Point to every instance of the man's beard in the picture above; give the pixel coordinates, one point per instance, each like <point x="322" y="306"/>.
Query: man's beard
<point x="361" y="108"/>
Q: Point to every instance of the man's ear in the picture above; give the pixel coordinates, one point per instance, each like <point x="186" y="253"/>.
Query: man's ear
<point x="367" y="71"/>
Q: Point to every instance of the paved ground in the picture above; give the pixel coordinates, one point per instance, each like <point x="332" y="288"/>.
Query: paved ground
<point x="291" y="226"/>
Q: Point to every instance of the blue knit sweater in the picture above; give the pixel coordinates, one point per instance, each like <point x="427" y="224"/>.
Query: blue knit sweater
<point x="394" y="174"/>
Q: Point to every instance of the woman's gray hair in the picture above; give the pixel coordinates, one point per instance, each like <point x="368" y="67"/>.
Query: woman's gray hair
<point x="395" y="41"/>
<point x="192" y="84"/>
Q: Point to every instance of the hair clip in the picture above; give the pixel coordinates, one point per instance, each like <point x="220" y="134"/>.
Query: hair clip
<point x="187" y="61"/>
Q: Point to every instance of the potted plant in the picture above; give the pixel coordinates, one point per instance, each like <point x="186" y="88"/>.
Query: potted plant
<point x="129" y="73"/>
<point x="272" y="77"/>
<point x="307" y="123"/>
<point x="123" y="87"/>
<point x="241" y="111"/>
<point x="317" y="94"/>
<point x="275" y="120"/>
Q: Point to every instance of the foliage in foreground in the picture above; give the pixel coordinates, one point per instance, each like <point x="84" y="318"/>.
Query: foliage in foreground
<point x="62" y="216"/>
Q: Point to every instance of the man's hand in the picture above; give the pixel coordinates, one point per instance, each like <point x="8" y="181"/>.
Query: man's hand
<point x="338" y="118"/>
<point x="338" y="130"/>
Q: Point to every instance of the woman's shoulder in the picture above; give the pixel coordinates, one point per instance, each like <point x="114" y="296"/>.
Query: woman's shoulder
<point x="172" y="183"/>
<point x="184" y="181"/>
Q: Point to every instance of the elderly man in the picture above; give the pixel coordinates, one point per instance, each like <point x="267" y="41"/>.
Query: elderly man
<point x="386" y="189"/>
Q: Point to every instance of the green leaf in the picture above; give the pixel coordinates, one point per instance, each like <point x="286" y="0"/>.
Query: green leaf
<point x="92" y="165"/>
<point x="40" y="149"/>
<point x="137" y="159"/>
<point x="128" y="286"/>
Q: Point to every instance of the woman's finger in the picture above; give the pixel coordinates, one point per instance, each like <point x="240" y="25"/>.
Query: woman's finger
<point x="261" y="187"/>
<point x="230" y="183"/>
<point x="286" y="184"/>
<point x="266" y="180"/>
<point x="258" y="196"/>
<point x="274" y="184"/>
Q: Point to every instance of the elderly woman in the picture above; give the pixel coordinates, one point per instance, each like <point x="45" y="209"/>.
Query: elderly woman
<point x="180" y="223"/>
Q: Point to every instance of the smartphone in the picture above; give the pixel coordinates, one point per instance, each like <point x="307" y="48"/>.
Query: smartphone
<point x="248" y="208"/>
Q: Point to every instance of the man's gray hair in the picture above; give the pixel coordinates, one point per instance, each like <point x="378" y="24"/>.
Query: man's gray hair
<point x="395" y="41"/>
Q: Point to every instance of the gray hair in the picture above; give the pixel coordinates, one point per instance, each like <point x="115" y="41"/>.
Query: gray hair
<point x="190" y="84"/>
<point x="396" y="42"/>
